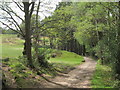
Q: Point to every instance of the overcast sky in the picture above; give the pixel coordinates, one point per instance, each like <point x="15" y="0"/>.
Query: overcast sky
<point x="47" y="8"/>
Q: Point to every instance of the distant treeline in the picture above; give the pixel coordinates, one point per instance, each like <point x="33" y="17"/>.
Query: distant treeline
<point x="6" y="31"/>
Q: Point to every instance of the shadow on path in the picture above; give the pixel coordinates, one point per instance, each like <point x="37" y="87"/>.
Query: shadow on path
<point x="78" y="78"/>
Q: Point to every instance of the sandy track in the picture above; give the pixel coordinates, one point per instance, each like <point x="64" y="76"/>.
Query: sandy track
<point x="77" y="78"/>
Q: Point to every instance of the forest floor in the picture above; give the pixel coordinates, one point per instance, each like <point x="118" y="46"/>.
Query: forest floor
<point x="78" y="78"/>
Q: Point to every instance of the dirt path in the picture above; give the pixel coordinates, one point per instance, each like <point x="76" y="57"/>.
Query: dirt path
<point x="77" y="78"/>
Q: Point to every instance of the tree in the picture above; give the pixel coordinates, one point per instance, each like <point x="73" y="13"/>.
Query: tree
<point x="28" y="15"/>
<point x="10" y="17"/>
<point x="118" y="43"/>
<point x="98" y="29"/>
<point x="25" y="30"/>
<point x="58" y="40"/>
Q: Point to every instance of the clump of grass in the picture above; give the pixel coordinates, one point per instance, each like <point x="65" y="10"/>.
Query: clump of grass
<point x="68" y="58"/>
<point x="102" y="77"/>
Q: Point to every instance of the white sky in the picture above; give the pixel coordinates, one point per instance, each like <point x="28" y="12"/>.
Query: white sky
<point x="48" y="5"/>
<point x="72" y="0"/>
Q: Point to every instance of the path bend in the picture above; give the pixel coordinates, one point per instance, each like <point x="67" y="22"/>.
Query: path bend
<point x="78" y="78"/>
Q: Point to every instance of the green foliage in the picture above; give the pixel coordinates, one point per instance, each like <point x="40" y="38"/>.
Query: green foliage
<point x="23" y="60"/>
<point x="7" y="31"/>
<point x="45" y="52"/>
<point x="43" y="56"/>
<point x="97" y="29"/>
<point x="102" y="77"/>
<point x="21" y="73"/>
<point x="18" y="69"/>
<point x="60" y="23"/>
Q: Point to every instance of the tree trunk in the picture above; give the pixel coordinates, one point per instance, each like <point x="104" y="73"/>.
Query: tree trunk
<point x="118" y="52"/>
<point x="51" y="42"/>
<point x="83" y="50"/>
<point x="28" y="34"/>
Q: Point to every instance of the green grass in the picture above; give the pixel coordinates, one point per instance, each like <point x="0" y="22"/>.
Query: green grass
<point x="11" y="51"/>
<point x="11" y="46"/>
<point x="68" y="58"/>
<point x="102" y="77"/>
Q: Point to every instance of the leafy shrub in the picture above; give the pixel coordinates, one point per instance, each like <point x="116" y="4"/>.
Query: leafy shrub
<point x="23" y="60"/>
<point x="116" y="84"/>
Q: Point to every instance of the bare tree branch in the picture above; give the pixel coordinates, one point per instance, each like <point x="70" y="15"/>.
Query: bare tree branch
<point x="15" y="14"/>
<point x="19" y="6"/>
<point x="7" y="11"/>
<point x="13" y="24"/>
<point x="12" y="18"/>
<point x="12" y="28"/>
<point x="32" y="8"/>
<point x="37" y="14"/>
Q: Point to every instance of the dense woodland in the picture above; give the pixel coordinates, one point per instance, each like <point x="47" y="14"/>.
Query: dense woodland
<point x="85" y="28"/>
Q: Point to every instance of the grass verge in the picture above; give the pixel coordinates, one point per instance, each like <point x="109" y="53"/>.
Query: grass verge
<point x="68" y="58"/>
<point x="102" y="77"/>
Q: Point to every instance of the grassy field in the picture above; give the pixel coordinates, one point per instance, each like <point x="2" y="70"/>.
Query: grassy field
<point x="102" y="77"/>
<point x="12" y="47"/>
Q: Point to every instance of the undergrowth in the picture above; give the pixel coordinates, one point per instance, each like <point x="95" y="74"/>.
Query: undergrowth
<point x="103" y="77"/>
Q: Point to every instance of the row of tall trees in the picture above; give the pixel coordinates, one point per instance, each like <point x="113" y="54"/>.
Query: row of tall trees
<point x="98" y="29"/>
<point x="61" y="30"/>
<point x="88" y="28"/>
